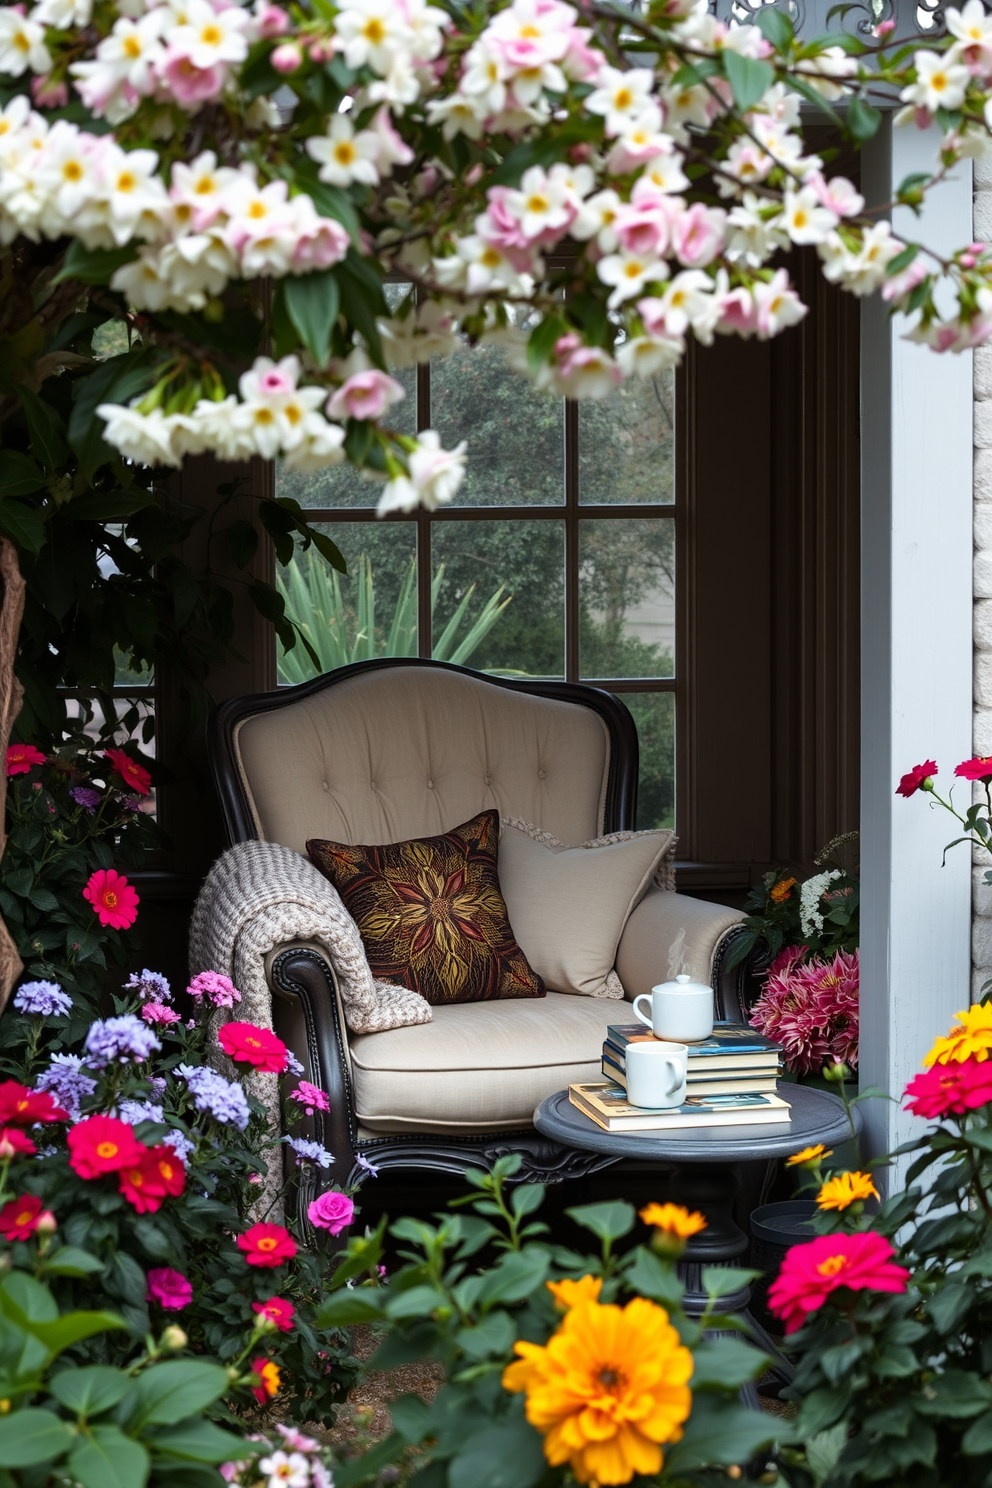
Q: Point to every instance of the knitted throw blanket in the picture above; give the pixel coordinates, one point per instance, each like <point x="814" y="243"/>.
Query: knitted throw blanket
<point x="260" y="895"/>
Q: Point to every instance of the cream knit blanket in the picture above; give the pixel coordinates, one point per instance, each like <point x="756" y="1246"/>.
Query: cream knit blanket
<point x="260" y="895"/>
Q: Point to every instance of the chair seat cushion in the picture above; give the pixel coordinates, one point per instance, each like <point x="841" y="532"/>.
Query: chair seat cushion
<point x="478" y="1066"/>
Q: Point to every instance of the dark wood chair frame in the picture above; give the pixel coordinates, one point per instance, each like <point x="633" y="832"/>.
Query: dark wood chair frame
<point x="301" y="981"/>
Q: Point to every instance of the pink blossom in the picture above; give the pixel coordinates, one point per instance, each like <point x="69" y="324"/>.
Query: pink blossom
<point x="393" y="149"/>
<point x="170" y="1289"/>
<point x="884" y="28"/>
<point x="322" y="51"/>
<point x="158" y="1012"/>
<point x="697" y="235"/>
<point x="273" y="21"/>
<point x="311" y="1097"/>
<point x="898" y="286"/>
<point x="286" y="58"/>
<point x="737" y="312"/>
<point x="321" y="243"/>
<point x="212" y="987"/>
<point x="645" y="227"/>
<point x="189" y="84"/>
<point x="47" y="94"/>
<point x="502" y="227"/>
<point x="811" y="1009"/>
<point x="366" y="395"/>
<point x="331" y="1211"/>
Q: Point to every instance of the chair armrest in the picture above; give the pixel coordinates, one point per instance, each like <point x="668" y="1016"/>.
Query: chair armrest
<point x="307" y="1016"/>
<point x="710" y="929"/>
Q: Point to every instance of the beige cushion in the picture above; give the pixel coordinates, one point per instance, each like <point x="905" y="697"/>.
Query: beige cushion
<point x="478" y="1066"/>
<point x="568" y="905"/>
<point x="392" y="755"/>
<point x="663" y="924"/>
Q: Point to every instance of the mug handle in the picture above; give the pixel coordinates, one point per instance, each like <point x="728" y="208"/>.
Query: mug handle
<point x="643" y="997"/>
<point x="676" y="1070"/>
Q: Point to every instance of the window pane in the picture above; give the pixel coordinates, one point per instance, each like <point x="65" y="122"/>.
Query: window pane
<point x="515" y="434"/>
<point x="626" y="450"/>
<point x="654" y="714"/>
<point x="370" y="611"/>
<point x="627" y="597"/>
<point x="343" y="485"/>
<point x="500" y="596"/>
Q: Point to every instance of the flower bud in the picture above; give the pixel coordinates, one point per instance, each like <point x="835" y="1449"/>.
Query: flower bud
<point x="7" y="1149"/>
<point x="273" y="21"/>
<point x="46" y="1223"/>
<point x="667" y="1245"/>
<point x="264" y="1323"/>
<point x="174" y="1338"/>
<point x="286" y="58"/>
<point x="322" y="50"/>
<point x="836" y="1073"/>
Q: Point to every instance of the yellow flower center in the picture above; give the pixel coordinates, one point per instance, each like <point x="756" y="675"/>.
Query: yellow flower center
<point x="212" y="35"/>
<point x="72" y="170"/>
<point x="374" y="31"/>
<point x="529" y="31"/>
<point x="110" y="899"/>
<point x="345" y="152"/>
<point x="832" y="1265"/>
<point x="266" y="1243"/>
<point x="21" y="42"/>
<point x="126" y="182"/>
<point x="537" y="203"/>
<point x="107" y="1150"/>
<point x="257" y="209"/>
<point x="132" y="47"/>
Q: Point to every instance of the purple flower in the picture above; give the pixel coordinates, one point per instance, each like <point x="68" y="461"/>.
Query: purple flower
<point x="309" y="1152"/>
<point x="366" y="1166"/>
<point x="65" y="1081"/>
<point x="152" y="985"/>
<point x="180" y="1144"/>
<point x="43" y="1000"/>
<point x="86" y="796"/>
<point x="213" y="988"/>
<point x="223" y="1099"/>
<point x="119" y="1041"/>
<point x="293" y="1065"/>
<point x="134" y="1112"/>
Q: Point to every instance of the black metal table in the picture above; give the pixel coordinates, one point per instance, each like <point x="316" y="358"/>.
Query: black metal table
<point x="707" y="1171"/>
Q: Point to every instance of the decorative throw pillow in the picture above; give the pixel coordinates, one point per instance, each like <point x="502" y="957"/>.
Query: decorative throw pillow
<point x="431" y="915"/>
<point x="568" y="905"/>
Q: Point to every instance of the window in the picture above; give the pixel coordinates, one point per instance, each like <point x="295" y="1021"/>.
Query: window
<point x="557" y="559"/>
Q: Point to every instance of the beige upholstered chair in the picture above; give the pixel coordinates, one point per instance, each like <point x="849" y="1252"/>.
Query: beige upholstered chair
<point x="388" y="750"/>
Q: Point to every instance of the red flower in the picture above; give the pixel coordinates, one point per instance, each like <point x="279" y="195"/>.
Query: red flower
<point x="267" y="1374"/>
<point x="20" y="1106"/>
<point x="950" y="1089"/>
<point x="277" y="1311"/>
<point x="267" y="1245"/>
<point x="23" y="757"/>
<point x="141" y="1183"/>
<point x="102" y="1144"/>
<point x="135" y="776"/>
<point x="170" y="1169"/>
<point x="809" y="1273"/>
<point x="252" y="1045"/>
<point x="114" y="901"/>
<point x="978" y="768"/>
<point x="911" y="783"/>
<point x="13" y="1141"/>
<point x="19" y="1218"/>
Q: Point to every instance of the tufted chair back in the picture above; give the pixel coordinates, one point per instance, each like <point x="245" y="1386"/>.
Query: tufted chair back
<point x="389" y="750"/>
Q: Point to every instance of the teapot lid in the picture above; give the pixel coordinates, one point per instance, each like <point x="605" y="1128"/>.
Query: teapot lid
<point x="683" y="983"/>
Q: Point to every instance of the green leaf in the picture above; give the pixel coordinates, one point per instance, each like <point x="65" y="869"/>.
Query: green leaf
<point x="331" y="201"/>
<point x="514" y="1277"/>
<point x="19" y="475"/>
<point x="46" y="429"/>
<point x="93" y="265"/>
<point x="956" y="1393"/>
<point x="977" y="1440"/>
<point x="73" y="1327"/>
<point x="26" y="1300"/>
<point x="650" y="1277"/>
<point x="411" y="1417"/>
<point x="504" y="1456"/>
<point x="349" y="1308"/>
<point x="720" y="1433"/>
<point x="21" y="523"/>
<point x="494" y="1335"/>
<point x="949" y="1306"/>
<point x="90" y="1390"/>
<point x="71" y="1261"/>
<point x="115" y="381"/>
<point x="776" y="28"/>
<point x="197" y="1441"/>
<point x="749" y="79"/>
<point x="168" y="1393"/>
<point x="895" y="266"/>
<point x="525" y="1198"/>
<point x="608" y="1221"/>
<point x="823" y="1450"/>
<point x="313" y="302"/>
<point x="721" y="1281"/>
<point x="31" y="1436"/>
<point x="106" y="1458"/>
<point x="108" y="506"/>
<point x="542" y="340"/>
<point x="417" y="1302"/>
<point x="862" y="120"/>
<point x="368" y="1465"/>
<point x="728" y="1362"/>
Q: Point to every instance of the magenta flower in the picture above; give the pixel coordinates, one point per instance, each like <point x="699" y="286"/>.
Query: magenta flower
<point x="213" y="988"/>
<point x="811" y="1009"/>
<point x="158" y="1012"/>
<point x="332" y="1211"/>
<point x="169" y="1289"/>
<point x="310" y="1097"/>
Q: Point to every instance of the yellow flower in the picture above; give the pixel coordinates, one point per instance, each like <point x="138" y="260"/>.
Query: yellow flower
<point x="846" y="1189"/>
<point x="570" y="1293"/>
<point x="674" y="1220"/>
<point x="973" y="1038"/>
<point x="808" y="1155"/>
<point x="610" y="1386"/>
<point x="782" y="890"/>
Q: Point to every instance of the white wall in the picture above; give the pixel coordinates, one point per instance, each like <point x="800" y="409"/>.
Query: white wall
<point x="981" y="934"/>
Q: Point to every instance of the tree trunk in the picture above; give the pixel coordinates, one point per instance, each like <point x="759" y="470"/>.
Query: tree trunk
<point x="11" y="610"/>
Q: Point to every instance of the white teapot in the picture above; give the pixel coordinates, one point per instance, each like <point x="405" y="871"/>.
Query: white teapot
<point x="681" y="1010"/>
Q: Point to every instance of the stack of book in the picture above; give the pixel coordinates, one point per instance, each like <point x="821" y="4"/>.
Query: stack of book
<point x="732" y="1081"/>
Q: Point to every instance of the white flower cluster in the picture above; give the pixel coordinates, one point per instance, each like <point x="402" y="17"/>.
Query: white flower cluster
<point x="810" y="894"/>
<point x="397" y="40"/>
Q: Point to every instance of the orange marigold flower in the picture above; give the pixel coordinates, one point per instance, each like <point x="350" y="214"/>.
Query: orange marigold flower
<point x="269" y="1379"/>
<point x="809" y="1155"/>
<point x="609" y="1388"/>
<point x="674" y="1220"/>
<point x="782" y="890"/>
<point x="846" y="1189"/>
<point x="971" y="1037"/>
<point x="570" y="1293"/>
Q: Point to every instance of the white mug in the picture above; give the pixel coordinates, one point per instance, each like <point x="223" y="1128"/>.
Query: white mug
<point x="656" y="1074"/>
<point x="681" y="1010"/>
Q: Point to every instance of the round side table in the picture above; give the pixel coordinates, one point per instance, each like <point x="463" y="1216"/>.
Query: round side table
<point x="707" y="1177"/>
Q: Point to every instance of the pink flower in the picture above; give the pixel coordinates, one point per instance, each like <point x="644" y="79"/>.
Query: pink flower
<point x="188" y="83"/>
<point x="158" y="1012"/>
<point x="737" y="313"/>
<point x="645" y="226"/>
<point x="697" y="235"/>
<point x="273" y="21"/>
<point x="898" y="286"/>
<point x="811" y="1009"/>
<point x="321" y="243"/>
<point x="311" y="1097"/>
<point x="114" y="901"/>
<point x="23" y="757"/>
<point x="916" y="778"/>
<point x="979" y="768"/>
<point x="366" y="395"/>
<point x="950" y="1089"/>
<point x="47" y="94"/>
<point x="286" y="58"/>
<point x="332" y="1211"/>
<point x="212" y="987"/>
<point x="249" y="1044"/>
<point x="810" y="1273"/>
<point x="169" y="1289"/>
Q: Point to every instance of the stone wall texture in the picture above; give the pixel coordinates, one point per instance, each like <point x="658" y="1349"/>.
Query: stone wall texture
<point x="981" y="941"/>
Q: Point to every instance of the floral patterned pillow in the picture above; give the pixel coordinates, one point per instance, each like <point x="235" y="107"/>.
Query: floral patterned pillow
<point x="431" y="914"/>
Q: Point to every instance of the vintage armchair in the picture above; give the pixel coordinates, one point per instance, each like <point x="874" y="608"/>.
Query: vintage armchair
<point x="387" y="750"/>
